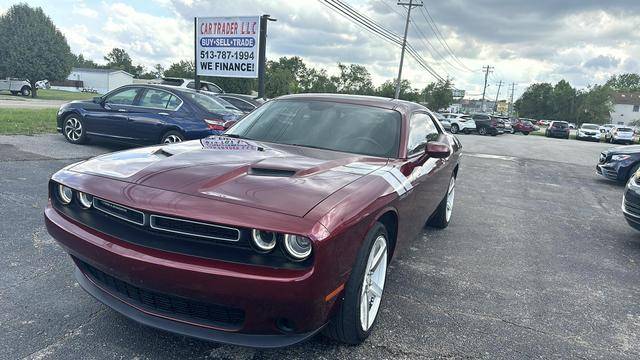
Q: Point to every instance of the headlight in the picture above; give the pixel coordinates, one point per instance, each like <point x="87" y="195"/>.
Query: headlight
<point x="65" y="193"/>
<point x="619" y="157"/>
<point x="85" y="200"/>
<point x="298" y="247"/>
<point x="263" y="240"/>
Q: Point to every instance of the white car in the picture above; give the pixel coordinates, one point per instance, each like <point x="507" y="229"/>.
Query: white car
<point x="461" y="123"/>
<point x="205" y="86"/>
<point x="16" y="86"/>
<point x="588" y="132"/>
<point x="621" y="134"/>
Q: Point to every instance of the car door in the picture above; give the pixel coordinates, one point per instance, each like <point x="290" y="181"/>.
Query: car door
<point x="110" y="118"/>
<point x="424" y="172"/>
<point x="150" y="118"/>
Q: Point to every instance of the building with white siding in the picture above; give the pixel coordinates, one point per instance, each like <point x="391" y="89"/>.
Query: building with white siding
<point x="100" y="80"/>
<point x="626" y="108"/>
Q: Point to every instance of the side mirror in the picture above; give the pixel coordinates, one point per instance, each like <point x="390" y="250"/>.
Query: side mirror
<point x="438" y="150"/>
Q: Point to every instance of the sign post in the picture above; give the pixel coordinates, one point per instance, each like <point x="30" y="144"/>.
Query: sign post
<point x="227" y="46"/>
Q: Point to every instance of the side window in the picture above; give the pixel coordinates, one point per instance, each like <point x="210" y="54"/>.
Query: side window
<point x="240" y="104"/>
<point x="158" y="99"/>
<point x="191" y="85"/>
<point x="421" y="130"/>
<point x="124" y="97"/>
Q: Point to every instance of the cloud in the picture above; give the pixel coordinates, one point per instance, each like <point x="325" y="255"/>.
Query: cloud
<point x="602" y="62"/>
<point x="81" y="9"/>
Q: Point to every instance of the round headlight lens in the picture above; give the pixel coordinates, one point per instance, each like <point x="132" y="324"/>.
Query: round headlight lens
<point x="299" y="247"/>
<point x="264" y="240"/>
<point x="85" y="200"/>
<point x="66" y="194"/>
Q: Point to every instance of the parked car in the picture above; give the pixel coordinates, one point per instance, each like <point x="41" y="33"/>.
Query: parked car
<point x="619" y="163"/>
<point x="558" y="129"/>
<point x="267" y="234"/>
<point x="544" y="122"/>
<point x="16" y="86"/>
<point x="191" y="84"/>
<point x="631" y="201"/>
<point x="506" y="121"/>
<point x="523" y="126"/>
<point x="621" y="134"/>
<point x="144" y="114"/>
<point x="606" y="130"/>
<point x="572" y="126"/>
<point x="446" y="124"/>
<point x="588" y="132"/>
<point x="461" y="123"/>
<point x="246" y="103"/>
<point x="486" y="124"/>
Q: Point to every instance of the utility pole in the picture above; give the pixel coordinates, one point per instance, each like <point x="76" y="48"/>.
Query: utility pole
<point x="513" y="89"/>
<point x="404" y="43"/>
<point x="497" y="94"/>
<point x="487" y="69"/>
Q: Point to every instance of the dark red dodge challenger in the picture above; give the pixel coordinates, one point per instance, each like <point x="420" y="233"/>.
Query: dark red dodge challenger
<point x="265" y="235"/>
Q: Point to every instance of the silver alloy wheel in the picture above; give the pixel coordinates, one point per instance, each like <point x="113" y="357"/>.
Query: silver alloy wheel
<point x="73" y="129"/>
<point x="451" y="194"/>
<point x="373" y="283"/>
<point x="172" y="139"/>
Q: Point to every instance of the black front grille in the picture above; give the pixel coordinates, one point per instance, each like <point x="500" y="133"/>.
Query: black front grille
<point x="193" y="228"/>
<point x="631" y="208"/>
<point x="163" y="304"/>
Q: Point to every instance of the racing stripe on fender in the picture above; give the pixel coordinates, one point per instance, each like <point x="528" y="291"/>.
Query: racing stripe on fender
<point x="403" y="179"/>
<point x="395" y="178"/>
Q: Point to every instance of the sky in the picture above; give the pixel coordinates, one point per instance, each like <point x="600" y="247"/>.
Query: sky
<point x="525" y="41"/>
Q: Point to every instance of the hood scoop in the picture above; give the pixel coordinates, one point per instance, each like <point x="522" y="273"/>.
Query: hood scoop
<point x="161" y="152"/>
<point x="258" y="171"/>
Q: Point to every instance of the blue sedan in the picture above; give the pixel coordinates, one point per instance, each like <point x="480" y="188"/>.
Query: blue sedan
<point x="145" y="114"/>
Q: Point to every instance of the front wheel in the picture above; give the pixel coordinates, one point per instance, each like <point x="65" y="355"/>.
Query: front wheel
<point x="454" y="128"/>
<point x="356" y="316"/>
<point x="482" y="131"/>
<point x="441" y="217"/>
<point x="525" y="133"/>
<point x="25" y="91"/>
<point x="73" y="129"/>
<point x="171" y="137"/>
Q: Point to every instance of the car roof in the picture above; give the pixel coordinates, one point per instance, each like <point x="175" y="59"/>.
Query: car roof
<point x="377" y="101"/>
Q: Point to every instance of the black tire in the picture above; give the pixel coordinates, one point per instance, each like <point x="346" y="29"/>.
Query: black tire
<point x="73" y="129"/>
<point x="25" y="91"/>
<point x="525" y="133"/>
<point x="454" y="128"/>
<point x="345" y="325"/>
<point x="482" y="131"/>
<point x="14" y="93"/>
<point x="439" y="219"/>
<point x="172" y="136"/>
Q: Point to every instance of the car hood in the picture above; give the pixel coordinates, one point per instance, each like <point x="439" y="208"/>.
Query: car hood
<point x="630" y="149"/>
<point x="282" y="178"/>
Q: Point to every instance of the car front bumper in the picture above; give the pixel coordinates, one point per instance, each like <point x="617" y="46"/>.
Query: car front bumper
<point x="585" y="136"/>
<point x="279" y="307"/>
<point x="631" y="204"/>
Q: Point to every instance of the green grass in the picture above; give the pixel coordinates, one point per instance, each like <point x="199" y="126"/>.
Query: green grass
<point x="27" y="121"/>
<point x="50" y="94"/>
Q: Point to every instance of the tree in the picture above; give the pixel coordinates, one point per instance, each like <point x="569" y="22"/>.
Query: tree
<point x="563" y="102"/>
<point x="119" y="59"/>
<point x="438" y="95"/>
<point x="316" y="81"/>
<point x="624" y="82"/>
<point x="80" y="62"/>
<point x="536" y="102"/>
<point x="181" y="69"/>
<point x="31" y="47"/>
<point x="353" y="79"/>
<point x="594" y="105"/>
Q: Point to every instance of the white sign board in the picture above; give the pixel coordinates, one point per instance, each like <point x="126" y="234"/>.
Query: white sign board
<point x="228" y="46"/>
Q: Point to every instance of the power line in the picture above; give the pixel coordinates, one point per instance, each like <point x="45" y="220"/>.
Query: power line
<point x="497" y="95"/>
<point x="370" y="25"/>
<point x="440" y="37"/>
<point x="486" y="70"/>
<point x="404" y="45"/>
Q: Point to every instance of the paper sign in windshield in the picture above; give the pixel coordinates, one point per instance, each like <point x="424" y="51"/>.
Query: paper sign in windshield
<point x="222" y="143"/>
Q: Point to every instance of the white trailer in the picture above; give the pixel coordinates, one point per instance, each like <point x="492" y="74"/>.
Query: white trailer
<point x="15" y="86"/>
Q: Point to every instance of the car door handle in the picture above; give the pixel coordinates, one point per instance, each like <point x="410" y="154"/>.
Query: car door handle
<point x="122" y="110"/>
<point x="163" y="113"/>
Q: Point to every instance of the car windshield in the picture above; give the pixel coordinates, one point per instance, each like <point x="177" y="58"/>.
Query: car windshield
<point x="324" y="124"/>
<point x="204" y="101"/>
<point x="559" y="124"/>
<point x="621" y="129"/>
<point x="590" y="126"/>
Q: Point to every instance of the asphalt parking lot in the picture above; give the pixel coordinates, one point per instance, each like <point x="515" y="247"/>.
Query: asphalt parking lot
<point x="537" y="263"/>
